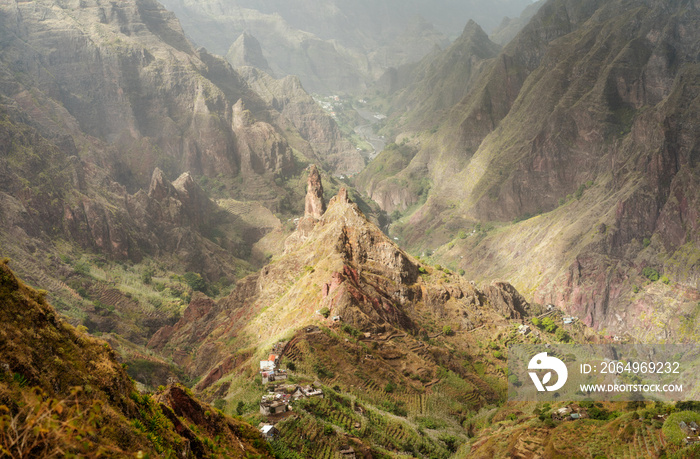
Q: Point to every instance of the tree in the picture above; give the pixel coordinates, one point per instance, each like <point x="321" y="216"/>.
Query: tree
<point x="549" y="325"/>
<point x="195" y="281"/>
<point x="147" y="275"/>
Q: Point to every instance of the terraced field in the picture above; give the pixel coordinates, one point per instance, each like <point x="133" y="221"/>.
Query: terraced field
<point x="250" y="213"/>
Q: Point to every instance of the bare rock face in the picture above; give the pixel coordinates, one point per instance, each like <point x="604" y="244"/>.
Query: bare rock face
<point x="160" y="188"/>
<point x="246" y="51"/>
<point x="506" y="300"/>
<point x="325" y="140"/>
<point x="314" y="206"/>
<point x="181" y="202"/>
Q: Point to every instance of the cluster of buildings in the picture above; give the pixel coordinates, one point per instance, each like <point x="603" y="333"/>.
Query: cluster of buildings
<point x="269" y="369"/>
<point x="691" y="432"/>
<point x="569" y="413"/>
<point x="278" y="400"/>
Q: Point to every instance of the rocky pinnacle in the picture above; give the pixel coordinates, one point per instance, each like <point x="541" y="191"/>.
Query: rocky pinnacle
<point x="315" y="205"/>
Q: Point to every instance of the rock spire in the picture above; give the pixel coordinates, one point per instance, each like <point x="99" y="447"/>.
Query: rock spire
<point x="315" y="205"/>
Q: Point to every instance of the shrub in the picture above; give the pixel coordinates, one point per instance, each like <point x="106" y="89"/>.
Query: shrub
<point x="562" y="335"/>
<point x="147" y="275"/>
<point x="429" y="423"/>
<point x="646" y="242"/>
<point x="396" y="408"/>
<point x="461" y="272"/>
<point x="422" y="270"/>
<point x="665" y="280"/>
<point x="195" y="281"/>
<point x="350" y="330"/>
<point x="447" y="330"/>
<point x="650" y="273"/>
<point x="325" y="312"/>
<point x="549" y="325"/>
<point x="82" y="267"/>
<point x="220" y="404"/>
<point x="450" y="441"/>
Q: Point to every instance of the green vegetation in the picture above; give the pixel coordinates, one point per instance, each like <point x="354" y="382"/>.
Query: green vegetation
<point x="548" y="325"/>
<point x="562" y="335"/>
<point x="650" y="273"/>
<point x="195" y="281"/>
<point x="81" y="403"/>
<point x="671" y="428"/>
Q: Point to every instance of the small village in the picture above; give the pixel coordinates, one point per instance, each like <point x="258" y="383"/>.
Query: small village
<point x="277" y="403"/>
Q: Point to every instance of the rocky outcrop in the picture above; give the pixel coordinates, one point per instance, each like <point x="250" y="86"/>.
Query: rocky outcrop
<point x="506" y="300"/>
<point x="246" y="52"/>
<point x="314" y="204"/>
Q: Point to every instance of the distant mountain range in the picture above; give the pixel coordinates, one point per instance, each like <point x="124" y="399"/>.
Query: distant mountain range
<point x="337" y="46"/>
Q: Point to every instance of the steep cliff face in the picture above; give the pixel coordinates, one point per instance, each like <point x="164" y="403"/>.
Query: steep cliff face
<point x="442" y="79"/>
<point x="126" y="74"/>
<point x="584" y="117"/>
<point x="326" y="144"/>
<point x="314" y="206"/>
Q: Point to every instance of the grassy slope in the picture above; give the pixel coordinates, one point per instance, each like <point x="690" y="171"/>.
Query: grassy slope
<point x="63" y="392"/>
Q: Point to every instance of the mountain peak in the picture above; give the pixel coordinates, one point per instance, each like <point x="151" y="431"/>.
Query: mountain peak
<point x="342" y="196"/>
<point x="160" y="187"/>
<point x="247" y="52"/>
<point x="472" y="27"/>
